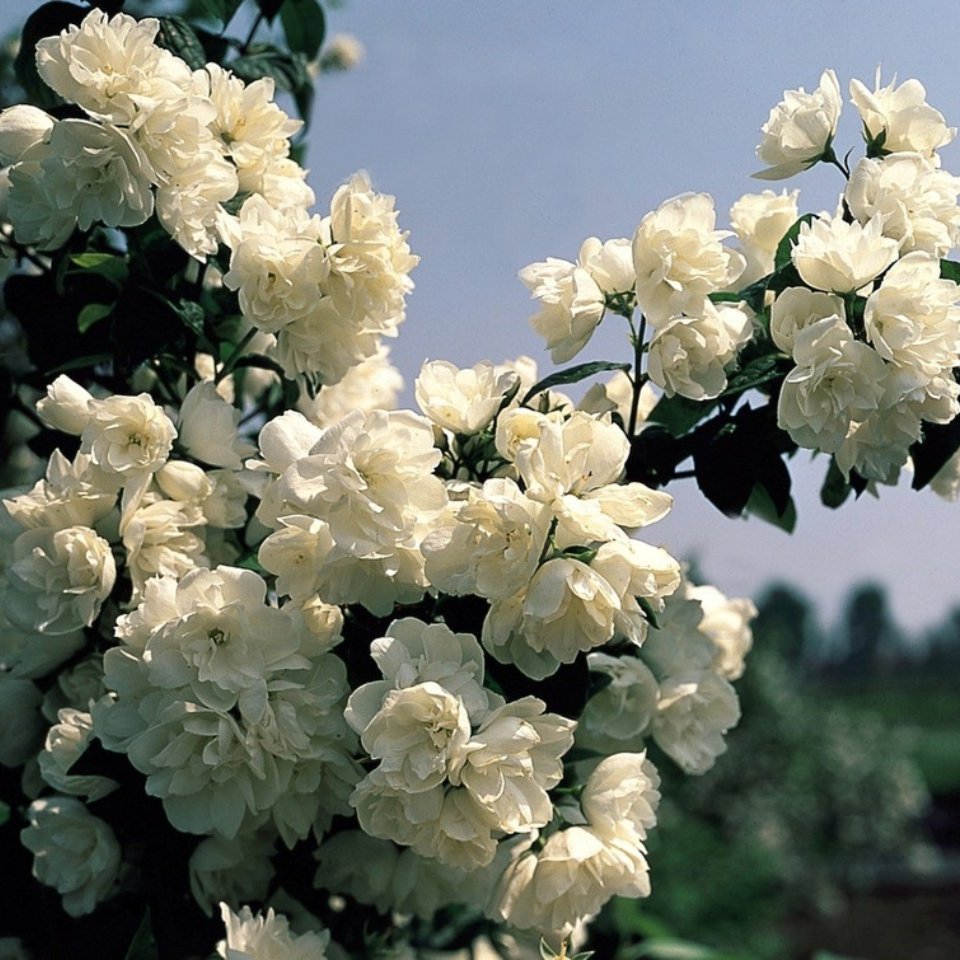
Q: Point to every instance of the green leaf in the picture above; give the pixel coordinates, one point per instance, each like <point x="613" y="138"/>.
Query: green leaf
<point x="4" y="813"/>
<point x="110" y="266"/>
<point x="270" y="8"/>
<point x="192" y="315"/>
<point x="304" y="26"/>
<point x="950" y="270"/>
<point x="93" y="313"/>
<point x="222" y="10"/>
<point x="287" y="70"/>
<point x="177" y="36"/>
<point x="835" y="489"/>
<point x="669" y="949"/>
<point x="756" y="373"/>
<point x="81" y="363"/>
<point x="761" y="505"/>
<point x="940" y="441"/>
<point x="143" y="946"/>
<point x="679" y="414"/>
<point x="47" y="21"/>
<point x="785" y="247"/>
<point x="573" y="375"/>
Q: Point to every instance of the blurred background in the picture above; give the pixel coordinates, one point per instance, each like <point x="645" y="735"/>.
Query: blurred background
<point x="511" y="132"/>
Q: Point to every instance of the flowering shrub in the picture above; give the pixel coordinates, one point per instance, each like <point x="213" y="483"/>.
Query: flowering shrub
<point x="274" y="651"/>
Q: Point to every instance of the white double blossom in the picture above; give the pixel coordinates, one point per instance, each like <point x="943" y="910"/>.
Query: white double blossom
<point x="679" y="258"/>
<point x="800" y="129"/>
<point x="267" y="937"/>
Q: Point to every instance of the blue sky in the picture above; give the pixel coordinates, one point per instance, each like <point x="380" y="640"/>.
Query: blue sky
<point x="510" y="132"/>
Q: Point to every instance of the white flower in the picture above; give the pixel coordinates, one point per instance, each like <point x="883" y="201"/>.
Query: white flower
<point x="415" y="652"/>
<point x="21" y="724"/>
<point x="75" y="687"/>
<point x="620" y="712"/>
<point x="58" y="579"/>
<point x="111" y="66"/>
<point x="417" y="735"/>
<point x="913" y="317"/>
<point x="160" y="539"/>
<point x="688" y="354"/>
<point x="572" y="305"/>
<point x="65" y="744"/>
<point x="267" y="937"/>
<point x="22" y="127"/>
<point x="799" y="307"/>
<point x="208" y="428"/>
<point x="252" y="129"/>
<point x="370" y="259"/>
<point x="679" y="259"/>
<point x="189" y="198"/>
<point x="576" y="456"/>
<point x="621" y="794"/>
<point x="342" y="52"/>
<point x="726" y="621"/>
<point x="28" y="654"/>
<point x="84" y="173"/>
<point x="902" y="115"/>
<point x="837" y="380"/>
<point x="373" y="384"/>
<point x="695" y="710"/>
<point x="916" y="201"/>
<point x="378" y="873"/>
<point x="879" y="446"/>
<point x="128" y="435"/>
<point x="73" y="851"/>
<point x="492" y="543"/>
<point x="761" y="220"/>
<point x="572" y="876"/>
<point x="67" y="406"/>
<point x="462" y="401"/>
<point x="229" y="707"/>
<point x="233" y="870"/>
<point x="73" y="494"/>
<point x="568" y="608"/>
<point x="512" y="760"/>
<point x="369" y="479"/>
<point x="277" y="262"/>
<point x="800" y="129"/>
<point x="946" y="481"/>
<point x="839" y="257"/>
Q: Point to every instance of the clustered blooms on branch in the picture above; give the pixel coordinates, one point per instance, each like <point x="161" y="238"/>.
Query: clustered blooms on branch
<point x="853" y="314"/>
<point x="388" y="660"/>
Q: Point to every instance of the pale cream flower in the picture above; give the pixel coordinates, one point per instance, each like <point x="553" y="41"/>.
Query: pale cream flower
<point x="208" y="428"/>
<point x="679" y="258"/>
<point x="463" y="401"/>
<point x="373" y="384"/>
<point x="916" y="201"/>
<point x="800" y="129"/>
<point x="73" y="851"/>
<point x="491" y="544"/>
<point x="65" y="744"/>
<point x="57" y="580"/>
<point x="128" y="435"/>
<point x="839" y="257"/>
<point x="902" y="116"/>
<point x="688" y="355"/>
<point x="232" y="870"/>
<point x="798" y="307"/>
<point x="726" y="621"/>
<point x="111" y="66"/>
<point x="84" y="173"/>
<point x="761" y="220"/>
<point x="259" y="937"/>
<point x="695" y="710"/>
<point x="621" y="795"/>
<point x="837" y="380"/>
<point x="619" y="714"/>
<point x="21" y="127"/>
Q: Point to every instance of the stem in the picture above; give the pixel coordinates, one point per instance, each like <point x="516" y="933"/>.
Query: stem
<point x="830" y="157"/>
<point x="238" y="352"/>
<point x="638" y="378"/>
<point x="253" y="32"/>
